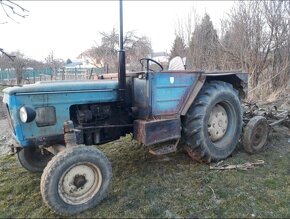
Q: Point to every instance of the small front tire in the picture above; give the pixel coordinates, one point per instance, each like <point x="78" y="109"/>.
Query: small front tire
<point x="75" y="180"/>
<point x="255" y="134"/>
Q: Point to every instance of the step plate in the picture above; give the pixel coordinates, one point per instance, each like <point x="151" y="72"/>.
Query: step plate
<point x="151" y="132"/>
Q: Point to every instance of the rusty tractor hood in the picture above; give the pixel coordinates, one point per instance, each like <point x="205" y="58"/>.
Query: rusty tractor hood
<point x="62" y="86"/>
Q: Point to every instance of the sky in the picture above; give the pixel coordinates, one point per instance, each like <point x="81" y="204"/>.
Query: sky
<point x="69" y="27"/>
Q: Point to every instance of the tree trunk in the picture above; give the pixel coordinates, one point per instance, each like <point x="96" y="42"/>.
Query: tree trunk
<point x="18" y="76"/>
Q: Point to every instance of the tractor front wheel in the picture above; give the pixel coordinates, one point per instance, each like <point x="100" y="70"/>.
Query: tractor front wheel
<point x="213" y="124"/>
<point x="75" y="180"/>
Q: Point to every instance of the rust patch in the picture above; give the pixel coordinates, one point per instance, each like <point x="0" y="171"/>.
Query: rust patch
<point x="155" y="131"/>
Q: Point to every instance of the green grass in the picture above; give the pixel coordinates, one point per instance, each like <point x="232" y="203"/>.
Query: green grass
<point x="169" y="186"/>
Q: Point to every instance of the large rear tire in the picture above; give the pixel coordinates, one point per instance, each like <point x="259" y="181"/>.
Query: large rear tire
<point x="213" y="124"/>
<point x="33" y="159"/>
<point x="75" y="180"/>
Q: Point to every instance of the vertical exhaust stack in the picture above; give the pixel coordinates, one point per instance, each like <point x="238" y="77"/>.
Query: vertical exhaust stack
<point x="122" y="60"/>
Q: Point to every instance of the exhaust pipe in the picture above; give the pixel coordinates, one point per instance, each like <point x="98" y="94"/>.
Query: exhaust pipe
<point x="122" y="60"/>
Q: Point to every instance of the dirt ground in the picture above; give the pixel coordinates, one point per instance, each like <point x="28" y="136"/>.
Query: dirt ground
<point x="5" y="138"/>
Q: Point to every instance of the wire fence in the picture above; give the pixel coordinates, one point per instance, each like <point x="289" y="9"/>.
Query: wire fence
<point x="29" y="76"/>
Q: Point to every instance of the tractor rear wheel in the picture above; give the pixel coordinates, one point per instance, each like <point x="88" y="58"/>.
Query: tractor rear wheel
<point x="33" y="159"/>
<point x="213" y="124"/>
<point x="75" y="180"/>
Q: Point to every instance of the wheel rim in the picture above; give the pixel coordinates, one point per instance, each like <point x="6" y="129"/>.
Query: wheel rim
<point x="217" y="123"/>
<point x="80" y="183"/>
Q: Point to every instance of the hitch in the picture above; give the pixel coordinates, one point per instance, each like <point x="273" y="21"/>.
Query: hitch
<point x="13" y="149"/>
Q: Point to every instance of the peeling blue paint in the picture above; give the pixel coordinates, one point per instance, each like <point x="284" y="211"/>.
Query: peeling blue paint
<point x="61" y="95"/>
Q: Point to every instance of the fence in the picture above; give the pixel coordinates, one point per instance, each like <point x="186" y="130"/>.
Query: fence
<point x="8" y="76"/>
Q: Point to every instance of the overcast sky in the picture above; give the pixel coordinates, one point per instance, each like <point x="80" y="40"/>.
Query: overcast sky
<point x="70" y="27"/>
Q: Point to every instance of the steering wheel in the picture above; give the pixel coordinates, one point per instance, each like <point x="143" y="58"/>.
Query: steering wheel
<point x="150" y="60"/>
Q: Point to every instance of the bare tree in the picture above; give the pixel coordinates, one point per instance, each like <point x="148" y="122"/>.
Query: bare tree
<point x="136" y="48"/>
<point x="105" y="54"/>
<point x="185" y="25"/>
<point x="256" y="39"/>
<point x="277" y="18"/>
<point x="53" y="63"/>
<point x="12" y="10"/>
<point x="18" y="64"/>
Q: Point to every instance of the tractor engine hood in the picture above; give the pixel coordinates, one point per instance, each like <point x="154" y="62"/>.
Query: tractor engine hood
<point x="62" y="87"/>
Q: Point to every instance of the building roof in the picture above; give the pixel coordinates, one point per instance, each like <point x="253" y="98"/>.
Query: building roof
<point x="156" y="54"/>
<point x="75" y="64"/>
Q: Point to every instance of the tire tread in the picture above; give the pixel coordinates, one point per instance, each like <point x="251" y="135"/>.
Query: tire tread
<point x="193" y="120"/>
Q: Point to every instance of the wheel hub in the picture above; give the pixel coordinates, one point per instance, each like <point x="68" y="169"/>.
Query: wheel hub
<point x="257" y="136"/>
<point x="79" y="181"/>
<point x="217" y="123"/>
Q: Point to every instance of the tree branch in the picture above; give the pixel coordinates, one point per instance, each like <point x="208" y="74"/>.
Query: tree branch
<point x="12" y="6"/>
<point x="11" y="57"/>
<point x="23" y="9"/>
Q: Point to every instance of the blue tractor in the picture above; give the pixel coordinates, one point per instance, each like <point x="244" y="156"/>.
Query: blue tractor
<point x="55" y="123"/>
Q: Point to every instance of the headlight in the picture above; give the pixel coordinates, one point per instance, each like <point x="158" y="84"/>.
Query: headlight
<point x="26" y="114"/>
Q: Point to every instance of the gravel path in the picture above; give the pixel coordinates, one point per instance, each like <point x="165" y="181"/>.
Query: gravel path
<point x="5" y="137"/>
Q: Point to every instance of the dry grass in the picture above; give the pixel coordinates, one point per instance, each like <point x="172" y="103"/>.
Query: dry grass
<point x="169" y="186"/>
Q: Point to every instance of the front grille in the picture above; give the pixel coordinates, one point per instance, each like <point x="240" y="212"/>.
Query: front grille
<point x="9" y="118"/>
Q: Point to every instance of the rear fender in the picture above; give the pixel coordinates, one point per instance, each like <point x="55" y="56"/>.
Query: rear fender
<point x="238" y="80"/>
<point x="193" y="93"/>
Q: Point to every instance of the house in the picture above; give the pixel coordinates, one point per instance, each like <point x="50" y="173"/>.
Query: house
<point x="81" y="68"/>
<point x="161" y="57"/>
